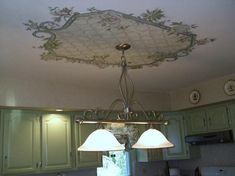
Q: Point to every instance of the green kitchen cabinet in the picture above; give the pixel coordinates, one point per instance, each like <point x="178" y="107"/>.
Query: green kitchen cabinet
<point x="86" y="159"/>
<point x="231" y="110"/>
<point x="209" y="119"/>
<point x="217" y="117"/>
<point x="36" y="143"/>
<point x="21" y="153"/>
<point x="196" y="121"/>
<point x="175" y="133"/>
<point x="1" y="141"/>
<point x="148" y="155"/>
<point x="56" y="142"/>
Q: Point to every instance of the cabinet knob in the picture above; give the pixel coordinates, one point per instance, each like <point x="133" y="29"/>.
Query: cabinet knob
<point x="5" y="157"/>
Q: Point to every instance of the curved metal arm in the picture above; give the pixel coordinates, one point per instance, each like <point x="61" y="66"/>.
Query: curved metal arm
<point x="111" y="107"/>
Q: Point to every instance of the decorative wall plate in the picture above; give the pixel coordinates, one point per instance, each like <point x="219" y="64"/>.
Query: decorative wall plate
<point x="194" y="96"/>
<point x="229" y="87"/>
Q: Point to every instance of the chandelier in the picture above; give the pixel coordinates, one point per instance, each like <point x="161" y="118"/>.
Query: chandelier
<point x="104" y="140"/>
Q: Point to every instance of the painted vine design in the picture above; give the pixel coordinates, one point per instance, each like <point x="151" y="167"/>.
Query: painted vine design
<point x="157" y="17"/>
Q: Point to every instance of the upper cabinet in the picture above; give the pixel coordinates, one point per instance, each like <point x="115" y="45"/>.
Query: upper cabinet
<point x="56" y="142"/>
<point x="207" y="119"/>
<point x="85" y="159"/>
<point x="21" y="152"/>
<point x="196" y="121"/>
<point x="175" y="133"/>
<point x="1" y="142"/>
<point x="231" y="109"/>
<point x="35" y="143"/>
<point x="217" y="117"/>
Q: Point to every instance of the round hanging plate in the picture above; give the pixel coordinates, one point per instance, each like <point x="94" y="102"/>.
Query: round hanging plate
<point x="194" y="96"/>
<point x="229" y="87"/>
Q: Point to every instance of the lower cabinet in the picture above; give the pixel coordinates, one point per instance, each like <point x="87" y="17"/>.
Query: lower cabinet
<point x="175" y="133"/>
<point x="148" y="155"/>
<point x="86" y="159"/>
<point x="35" y="143"/>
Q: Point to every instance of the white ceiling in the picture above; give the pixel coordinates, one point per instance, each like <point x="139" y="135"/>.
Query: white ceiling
<point x="215" y="18"/>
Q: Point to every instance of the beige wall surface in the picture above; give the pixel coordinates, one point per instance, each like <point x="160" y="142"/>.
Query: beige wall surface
<point x="24" y="93"/>
<point x="211" y="92"/>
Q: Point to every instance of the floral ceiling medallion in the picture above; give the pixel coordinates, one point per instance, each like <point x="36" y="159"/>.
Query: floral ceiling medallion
<point x="91" y="37"/>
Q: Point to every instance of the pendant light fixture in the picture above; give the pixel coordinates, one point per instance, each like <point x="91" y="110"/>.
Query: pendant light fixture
<point x="151" y="139"/>
<point x="103" y="140"/>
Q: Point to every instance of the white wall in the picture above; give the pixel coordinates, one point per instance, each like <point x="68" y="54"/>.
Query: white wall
<point x="211" y="92"/>
<point x="25" y="93"/>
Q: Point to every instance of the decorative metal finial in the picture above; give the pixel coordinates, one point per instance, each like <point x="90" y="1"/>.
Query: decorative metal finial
<point x="123" y="46"/>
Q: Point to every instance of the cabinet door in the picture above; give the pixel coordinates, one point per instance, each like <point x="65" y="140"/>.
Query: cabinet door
<point x="1" y="142"/>
<point x="56" y="142"/>
<point x="232" y="117"/>
<point x="148" y="155"/>
<point x="21" y="141"/>
<point x="217" y="118"/>
<point x="196" y="121"/>
<point x="175" y="133"/>
<point x="86" y="159"/>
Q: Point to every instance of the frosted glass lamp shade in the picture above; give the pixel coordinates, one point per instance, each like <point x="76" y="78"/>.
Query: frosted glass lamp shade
<point x="152" y="138"/>
<point x="101" y="140"/>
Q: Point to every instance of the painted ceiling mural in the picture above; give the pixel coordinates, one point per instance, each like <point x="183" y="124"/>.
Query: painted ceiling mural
<point x="91" y="37"/>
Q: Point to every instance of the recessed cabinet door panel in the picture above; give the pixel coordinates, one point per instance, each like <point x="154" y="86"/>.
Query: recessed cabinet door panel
<point x="21" y="142"/>
<point x="1" y="141"/>
<point x="174" y="132"/>
<point x="217" y="118"/>
<point x="56" y="142"/>
<point x="197" y="122"/>
<point x="232" y="117"/>
<point x="86" y="159"/>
